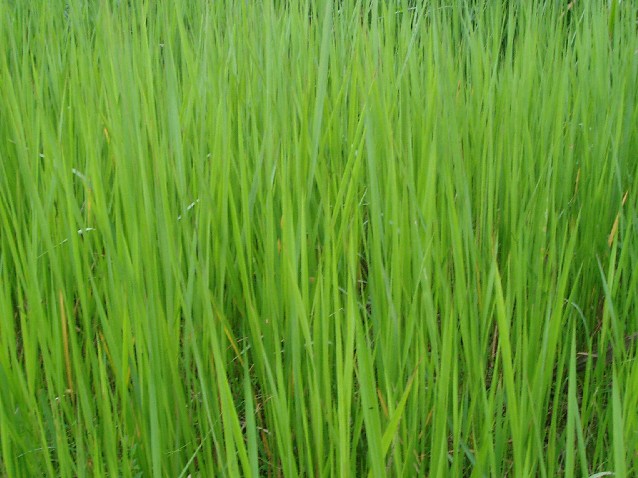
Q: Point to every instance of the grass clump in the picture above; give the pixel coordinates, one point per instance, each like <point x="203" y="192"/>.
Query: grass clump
<point x="318" y="238"/>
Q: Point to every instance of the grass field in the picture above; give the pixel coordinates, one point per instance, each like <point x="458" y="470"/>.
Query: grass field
<point x="356" y="238"/>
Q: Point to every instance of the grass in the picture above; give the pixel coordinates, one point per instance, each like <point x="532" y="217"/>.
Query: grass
<point x="318" y="238"/>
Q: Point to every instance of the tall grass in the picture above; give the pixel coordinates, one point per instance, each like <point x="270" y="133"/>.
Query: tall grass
<point x="356" y="238"/>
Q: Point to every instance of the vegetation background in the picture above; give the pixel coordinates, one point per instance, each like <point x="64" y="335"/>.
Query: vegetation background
<point x="269" y="238"/>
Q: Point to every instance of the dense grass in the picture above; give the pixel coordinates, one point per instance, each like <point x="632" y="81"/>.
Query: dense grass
<point x="363" y="238"/>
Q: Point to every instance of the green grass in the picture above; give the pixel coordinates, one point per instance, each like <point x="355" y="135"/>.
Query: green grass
<point x="356" y="238"/>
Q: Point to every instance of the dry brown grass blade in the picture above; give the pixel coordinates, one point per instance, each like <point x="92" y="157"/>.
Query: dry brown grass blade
<point x="584" y="357"/>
